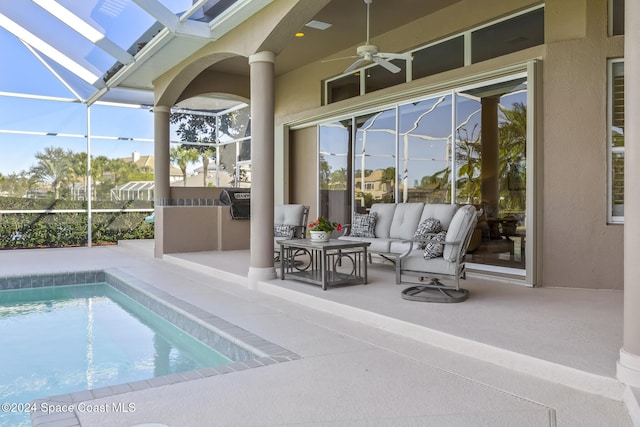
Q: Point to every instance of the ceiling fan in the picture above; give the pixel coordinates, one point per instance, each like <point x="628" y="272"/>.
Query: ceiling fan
<point x="370" y="53"/>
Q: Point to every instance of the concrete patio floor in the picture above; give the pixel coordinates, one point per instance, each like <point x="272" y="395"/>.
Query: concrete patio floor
<point x="508" y="356"/>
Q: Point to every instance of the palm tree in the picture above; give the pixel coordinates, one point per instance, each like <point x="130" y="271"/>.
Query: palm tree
<point x="512" y="138"/>
<point x="181" y="157"/>
<point x="99" y="166"/>
<point x="53" y="167"/>
<point x="389" y="177"/>
<point x="206" y="154"/>
<point x="325" y="173"/>
<point x="512" y="144"/>
<point x="338" y="180"/>
<point x="468" y="157"/>
<point x="78" y="164"/>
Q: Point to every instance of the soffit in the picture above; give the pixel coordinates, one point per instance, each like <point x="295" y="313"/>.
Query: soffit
<point x="348" y="30"/>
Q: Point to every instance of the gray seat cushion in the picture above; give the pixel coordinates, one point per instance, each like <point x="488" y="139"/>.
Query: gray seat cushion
<point x="415" y="262"/>
<point x="288" y="214"/>
<point x="385" y="217"/>
<point x="405" y="220"/>
<point x="377" y="244"/>
<point x="462" y="221"/>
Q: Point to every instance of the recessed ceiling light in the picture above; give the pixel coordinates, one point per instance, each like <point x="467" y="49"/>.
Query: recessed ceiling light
<point x="318" y="25"/>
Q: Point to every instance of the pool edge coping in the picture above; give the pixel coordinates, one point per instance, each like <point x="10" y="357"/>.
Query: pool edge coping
<point x="266" y="352"/>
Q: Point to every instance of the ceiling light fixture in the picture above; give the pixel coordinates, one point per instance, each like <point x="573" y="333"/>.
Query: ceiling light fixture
<point x="299" y="34"/>
<point x="318" y="25"/>
<point x="72" y="20"/>
<point x="47" y="49"/>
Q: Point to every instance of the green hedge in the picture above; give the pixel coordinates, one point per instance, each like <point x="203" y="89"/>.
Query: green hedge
<point x="42" y="230"/>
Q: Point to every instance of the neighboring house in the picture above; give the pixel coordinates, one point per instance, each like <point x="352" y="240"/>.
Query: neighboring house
<point x="148" y="162"/>
<point x="374" y="185"/>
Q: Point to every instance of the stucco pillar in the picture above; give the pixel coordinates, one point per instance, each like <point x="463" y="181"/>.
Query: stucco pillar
<point x="161" y="165"/>
<point x="629" y="362"/>
<point x="262" y="174"/>
<point x="489" y="159"/>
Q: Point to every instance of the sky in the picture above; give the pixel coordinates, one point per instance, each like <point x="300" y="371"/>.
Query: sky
<point x="128" y="130"/>
<point x="22" y="72"/>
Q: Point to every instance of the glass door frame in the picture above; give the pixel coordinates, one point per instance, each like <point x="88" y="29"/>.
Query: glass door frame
<point x="529" y="272"/>
<point x="529" y="70"/>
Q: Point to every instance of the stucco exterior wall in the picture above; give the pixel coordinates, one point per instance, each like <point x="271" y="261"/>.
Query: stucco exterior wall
<point x="303" y="167"/>
<point x="576" y="247"/>
<point x="579" y="248"/>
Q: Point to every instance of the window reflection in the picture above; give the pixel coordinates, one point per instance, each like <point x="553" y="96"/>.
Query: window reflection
<point x="375" y="159"/>
<point x="616" y="142"/>
<point x="479" y="159"/>
<point x="425" y="150"/>
<point x="336" y="173"/>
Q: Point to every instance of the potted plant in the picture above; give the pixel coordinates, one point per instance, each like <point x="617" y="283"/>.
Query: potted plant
<point x="321" y="229"/>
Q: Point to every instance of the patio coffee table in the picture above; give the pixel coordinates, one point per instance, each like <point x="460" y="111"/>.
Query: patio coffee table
<point x="336" y="262"/>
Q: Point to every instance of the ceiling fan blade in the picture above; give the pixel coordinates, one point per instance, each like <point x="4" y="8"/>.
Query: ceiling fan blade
<point x="340" y="59"/>
<point x="356" y="64"/>
<point x="386" y="64"/>
<point x="405" y="56"/>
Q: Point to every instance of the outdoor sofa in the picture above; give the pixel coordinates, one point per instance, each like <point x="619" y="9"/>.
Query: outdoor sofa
<point x="409" y="235"/>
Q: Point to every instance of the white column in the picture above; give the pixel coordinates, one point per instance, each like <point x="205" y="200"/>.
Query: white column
<point x="629" y="362"/>
<point x="161" y="165"/>
<point x="262" y="160"/>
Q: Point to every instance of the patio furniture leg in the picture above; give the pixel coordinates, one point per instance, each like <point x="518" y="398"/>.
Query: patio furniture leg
<point x="435" y="291"/>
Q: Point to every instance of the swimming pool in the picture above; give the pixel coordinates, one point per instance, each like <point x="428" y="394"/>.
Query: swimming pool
<point x="73" y="342"/>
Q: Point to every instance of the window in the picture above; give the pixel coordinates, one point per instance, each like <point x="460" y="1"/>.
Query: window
<point x="518" y="32"/>
<point x="437" y="58"/>
<point x="376" y="77"/>
<point x="375" y="158"/>
<point x="336" y="171"/>
<point x="508" y="36"/>
<point x="425" y="150"/>
<point x="615" y="136"/>
<point x="431" y="150"/>
<point x="343" y="88"/>
<point x="616" y="17"/>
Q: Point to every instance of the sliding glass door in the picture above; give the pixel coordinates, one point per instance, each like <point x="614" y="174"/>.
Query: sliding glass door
<point x="464" y="146"/>
<point x="424" y="144"/>
<point x="491" y="136"/>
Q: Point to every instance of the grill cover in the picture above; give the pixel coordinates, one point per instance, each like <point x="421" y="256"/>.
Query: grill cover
<point x="240" y="201"/>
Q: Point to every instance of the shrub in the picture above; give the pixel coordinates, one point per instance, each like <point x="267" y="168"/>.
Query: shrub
<point x="45" y="230"/>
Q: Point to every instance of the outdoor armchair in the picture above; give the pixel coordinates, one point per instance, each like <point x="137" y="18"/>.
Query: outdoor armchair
<point x="450" y="264"/>
<point x="290" y="222"/>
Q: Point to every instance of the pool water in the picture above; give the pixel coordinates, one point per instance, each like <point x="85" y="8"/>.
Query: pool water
<point x="63" y="339"/>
